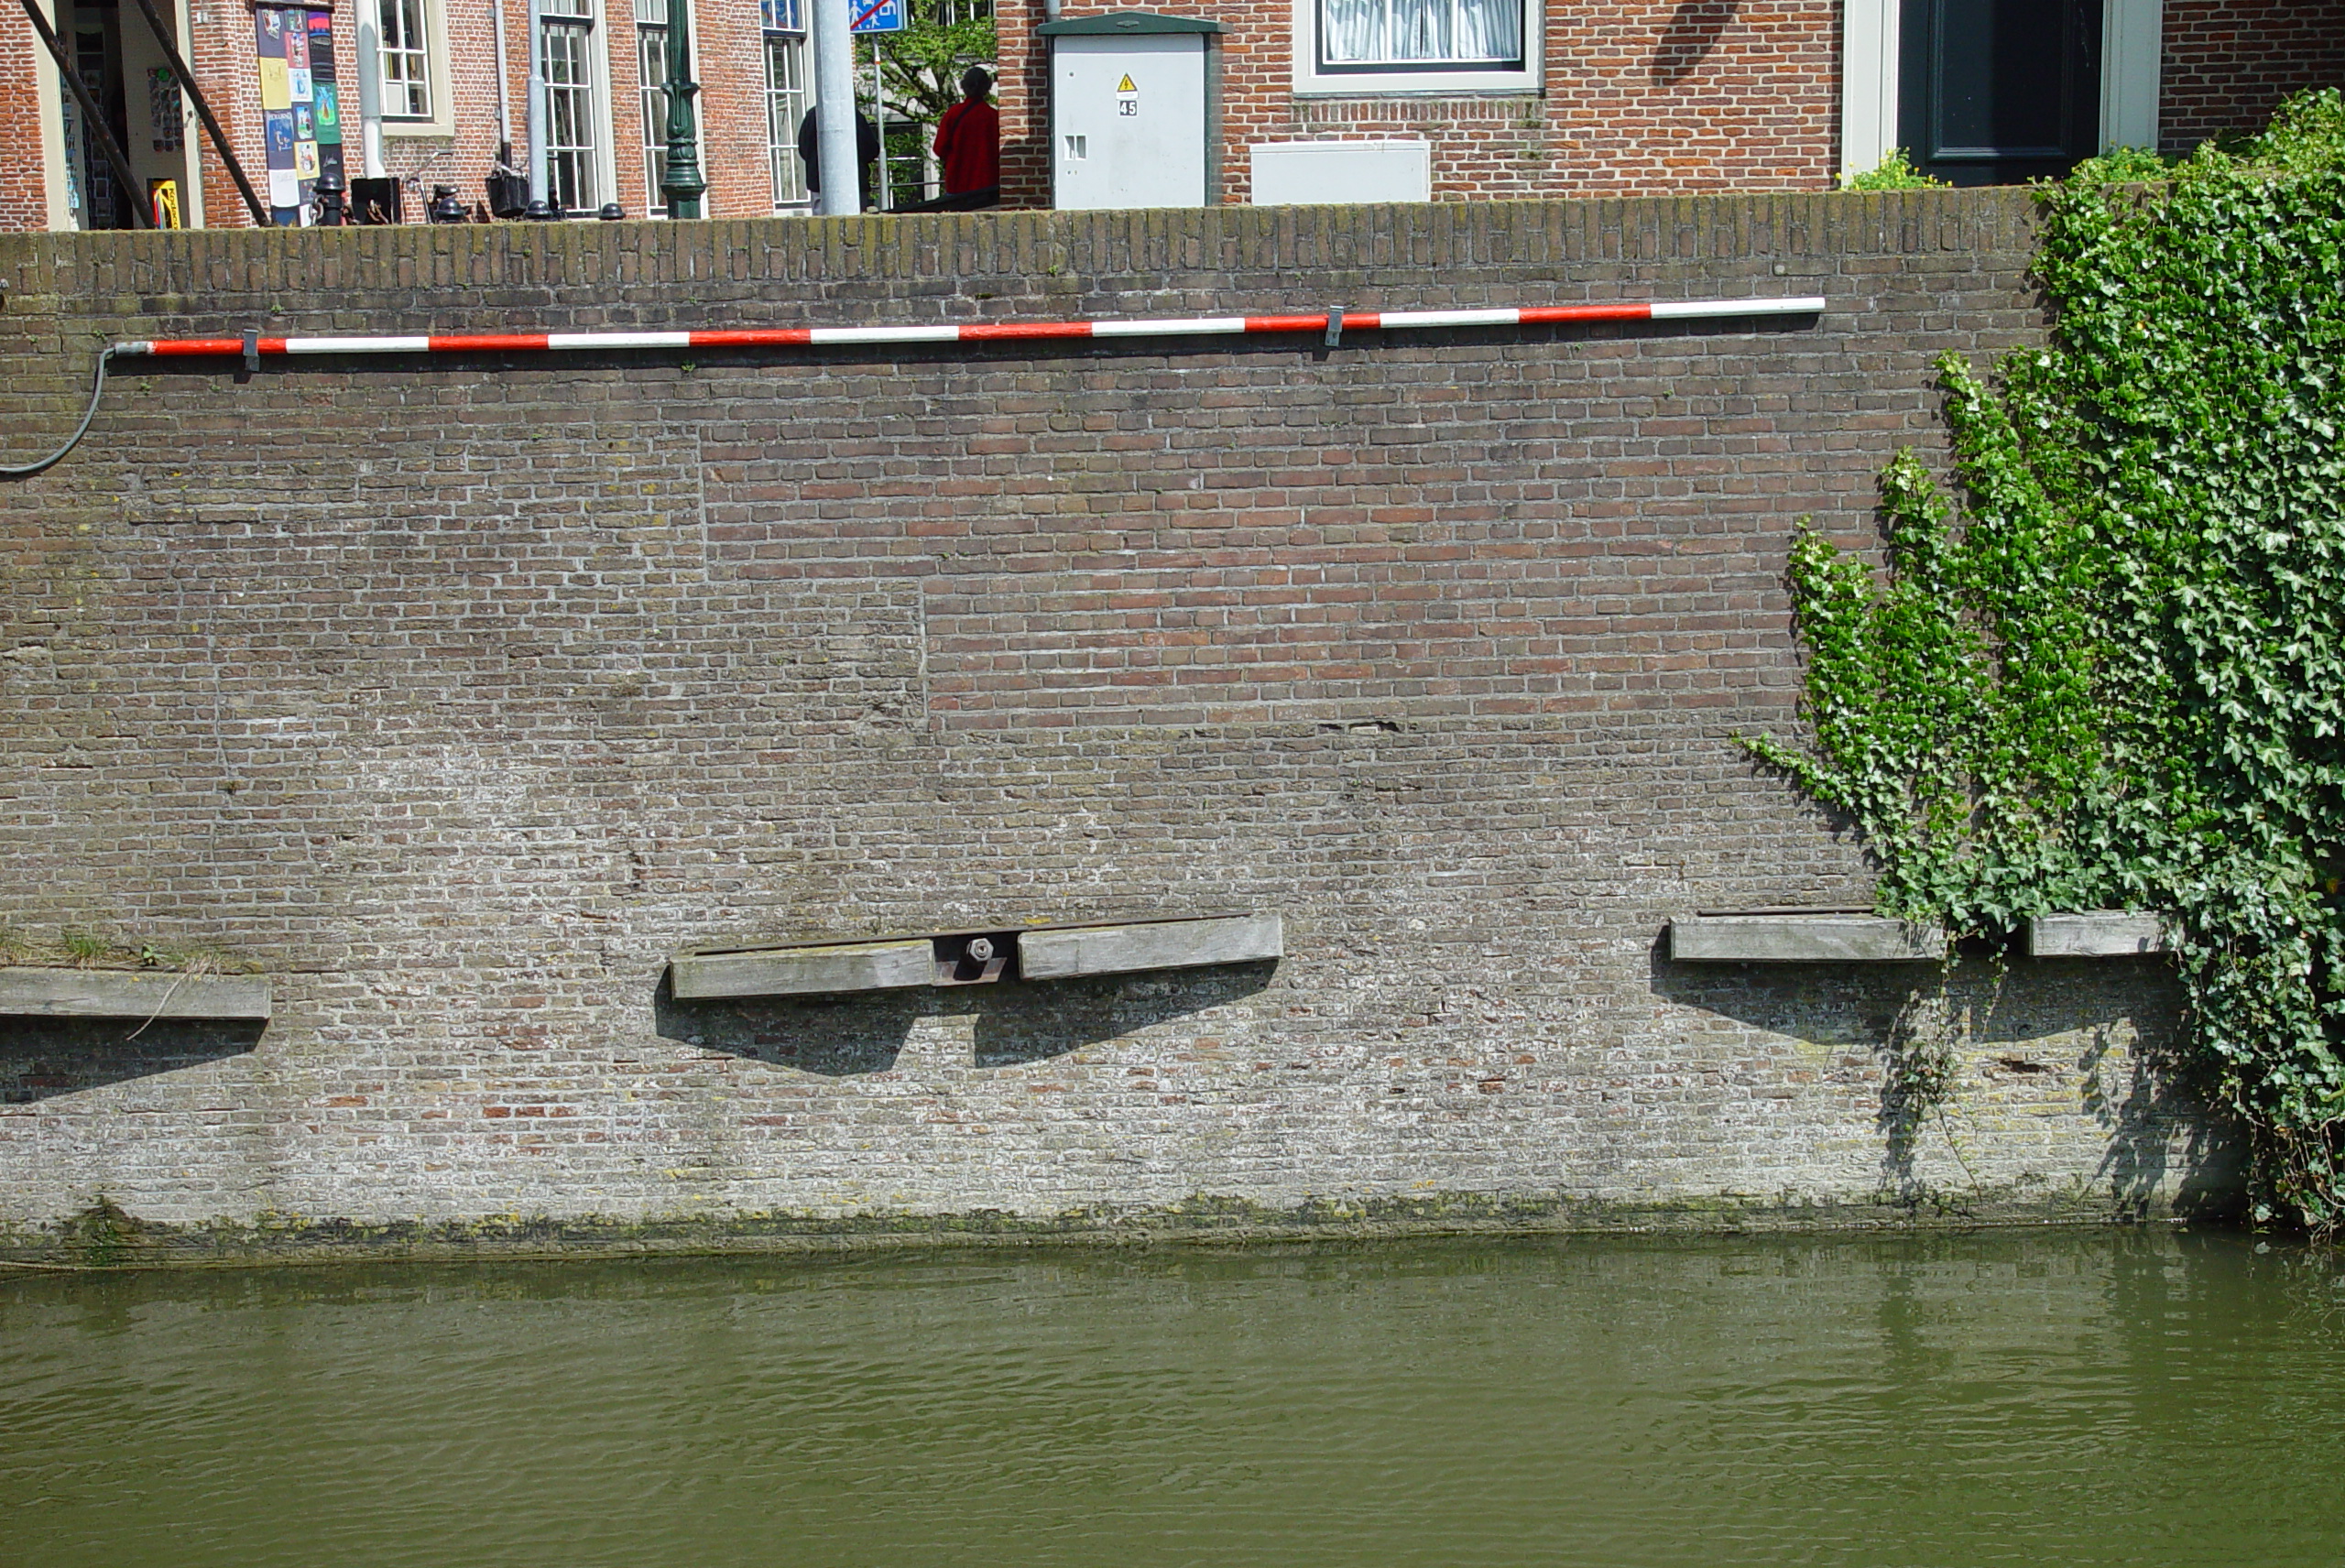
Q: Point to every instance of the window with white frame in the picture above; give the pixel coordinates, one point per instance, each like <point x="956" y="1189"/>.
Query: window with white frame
<point x="566" y="60"/>
<point x="403" y="48"/>
<point x="787" y="99"/>
<point x="1416" y="46"/>
<point x="652" y="57"/>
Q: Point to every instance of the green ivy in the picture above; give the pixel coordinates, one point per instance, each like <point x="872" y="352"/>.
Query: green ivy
<point x="2113" y="677"/>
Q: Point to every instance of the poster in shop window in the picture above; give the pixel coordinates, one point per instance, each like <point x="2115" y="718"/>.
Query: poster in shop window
<point x="277" y="115"/>
<point x="325" y="108"/>
<point x="302" y="107"/>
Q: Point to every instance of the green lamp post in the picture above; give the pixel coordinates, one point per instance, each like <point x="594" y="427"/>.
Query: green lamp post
<point x="681" y="182"/>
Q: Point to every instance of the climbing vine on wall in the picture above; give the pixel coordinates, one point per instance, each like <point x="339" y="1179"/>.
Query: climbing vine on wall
<point x="2112" y="675"/>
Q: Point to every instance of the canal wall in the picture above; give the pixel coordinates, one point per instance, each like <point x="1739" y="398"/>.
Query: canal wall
<point x="452" y="696"/>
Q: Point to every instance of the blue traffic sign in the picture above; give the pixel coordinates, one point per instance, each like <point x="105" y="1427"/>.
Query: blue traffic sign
<point x="877" y="16"/>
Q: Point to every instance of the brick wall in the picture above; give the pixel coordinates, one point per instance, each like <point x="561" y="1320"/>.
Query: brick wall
<point x="457" y="694"/>
<point x="1640" y="96"/>
<point x="24" y="202"/>
<point x="1651" y="97"/>
<point x="2228" y="63"/>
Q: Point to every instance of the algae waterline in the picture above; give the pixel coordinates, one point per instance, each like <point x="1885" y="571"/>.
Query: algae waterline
<point x="2073" y="1397"/>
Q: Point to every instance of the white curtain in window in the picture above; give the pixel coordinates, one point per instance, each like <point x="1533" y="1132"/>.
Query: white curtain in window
<point x="1421" y="32"/>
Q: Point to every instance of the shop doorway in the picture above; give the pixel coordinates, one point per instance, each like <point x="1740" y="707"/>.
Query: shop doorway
<point x="114" y="53"/>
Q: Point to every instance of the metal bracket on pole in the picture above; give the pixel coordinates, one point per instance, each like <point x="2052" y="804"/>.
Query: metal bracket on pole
<point x="203" y="112"/>
<point x="1336" y="328"/>
<point x="252" y="353"/>
<point x="140" y="217"/>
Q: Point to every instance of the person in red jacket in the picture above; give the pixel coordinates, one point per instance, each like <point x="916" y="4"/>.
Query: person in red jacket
<point x="968" y="138"/>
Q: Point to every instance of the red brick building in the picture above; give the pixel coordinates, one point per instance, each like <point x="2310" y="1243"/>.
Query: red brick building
<point x="1498" y="98"/>
<point x="456" y="85"/>
<point x="1518" y="98"/>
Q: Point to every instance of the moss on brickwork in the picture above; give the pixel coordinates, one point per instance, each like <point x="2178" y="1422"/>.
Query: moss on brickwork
<point x="107" y="1237"/>
<point x="419" y="278"/>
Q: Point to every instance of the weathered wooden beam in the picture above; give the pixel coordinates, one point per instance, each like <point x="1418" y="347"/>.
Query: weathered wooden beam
<point x="1065" y="951"/>
<point x="127" y="994"/>
<point x="1802" y="939"/>
<point x="804" y="971"/>
<point x="2096" y="934"/>
<point x="960" y="958"/>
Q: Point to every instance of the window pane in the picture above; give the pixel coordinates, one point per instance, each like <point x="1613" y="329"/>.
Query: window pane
<point x="1401" y="35"/>
<point x="569" y="115"/>
<point x="651" y="69"/>
<point x="404" y="56"/>
<point x="651" y="63"/>
<point x="2002" y="89"/>
<point x="786" y="101"/>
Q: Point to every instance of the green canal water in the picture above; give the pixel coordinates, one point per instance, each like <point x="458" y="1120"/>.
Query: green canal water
<point x="2042" y="1399"/>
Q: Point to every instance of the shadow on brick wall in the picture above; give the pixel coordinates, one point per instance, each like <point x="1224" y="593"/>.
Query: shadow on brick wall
<point x="42" y="1058"/>
<point x="1692" y="32"/>
<point x="1008" y="1025"/>
<point x="2030" y="1036"/>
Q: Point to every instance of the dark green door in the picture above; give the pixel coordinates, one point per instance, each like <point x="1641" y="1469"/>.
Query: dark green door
<point x="1996" y="91"/>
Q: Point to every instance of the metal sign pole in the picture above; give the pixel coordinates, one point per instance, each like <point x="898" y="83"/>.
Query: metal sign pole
<point x="879" y="118"/>
<point x="836" y="162"/>
<point x="539" y="178"/>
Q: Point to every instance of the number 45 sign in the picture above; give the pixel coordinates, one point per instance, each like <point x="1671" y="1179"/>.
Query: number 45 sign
<point x="877" y="15"/>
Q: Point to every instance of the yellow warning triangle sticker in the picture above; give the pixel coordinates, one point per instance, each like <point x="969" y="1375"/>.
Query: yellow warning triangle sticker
<point x="1126" y="84"/>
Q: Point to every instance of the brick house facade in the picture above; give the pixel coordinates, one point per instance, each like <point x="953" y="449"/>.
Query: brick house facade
<point x="1635" y="97"/>
<point x="2229" y="62"/>
<point x="1628" y="96"/>
<point x="1592" y="97"/>
<point x="741" y="61"/>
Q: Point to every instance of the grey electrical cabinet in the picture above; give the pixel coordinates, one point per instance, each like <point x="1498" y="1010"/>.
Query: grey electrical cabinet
<point x="1133" y="110"/>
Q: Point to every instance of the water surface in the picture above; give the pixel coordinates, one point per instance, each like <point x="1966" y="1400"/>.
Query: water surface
<point x="2064" y="1398"/>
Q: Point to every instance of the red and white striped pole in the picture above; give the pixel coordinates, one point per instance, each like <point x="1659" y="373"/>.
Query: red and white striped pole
<point x="988" y="332"/>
